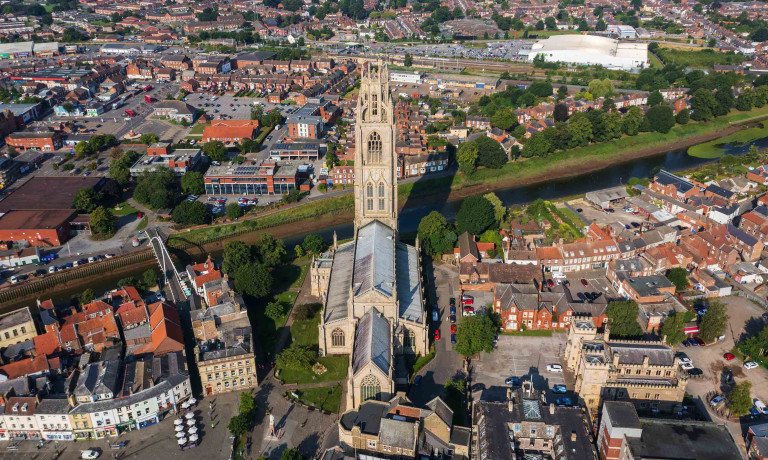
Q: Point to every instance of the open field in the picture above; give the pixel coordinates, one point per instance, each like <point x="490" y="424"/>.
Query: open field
<point x="699" y="59"/>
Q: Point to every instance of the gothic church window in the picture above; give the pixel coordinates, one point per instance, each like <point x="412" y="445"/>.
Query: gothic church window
<point x="337" y="338"/>
<point x="370" y="388"/>
<point x="374" y="148"/>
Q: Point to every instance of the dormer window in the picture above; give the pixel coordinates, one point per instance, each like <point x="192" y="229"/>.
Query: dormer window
<point x="16" y="407"/>
<point x="24" y="407"/>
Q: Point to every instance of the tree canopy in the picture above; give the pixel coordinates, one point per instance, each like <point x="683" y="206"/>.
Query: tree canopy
<point x="740" y="398"/>
<point x="679" y="277"/>
<point x="86" y="200"/>
<point x="436" y="236"/>
<point x="475" y="215"/>
<point x="475" y="334"/>
<point x="714" y="321"/>
<point x="102" y="221"/>
<point x="622" y="316"/>
<point x="157" y="189"/>
<point x="192" y="183"/>
<point x="253" y="279"/>
<point x="190" y="213"/>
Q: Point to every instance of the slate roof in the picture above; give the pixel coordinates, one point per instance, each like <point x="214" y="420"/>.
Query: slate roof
<point x="658" y="355"/>
<point x="408" y="283"/>
<point x="341" y="279"/>
<point x="367" y="417"/>
<point x="683" y="440"/>
<point x="374" y="264"/>
<point x="372" y="342"/>
<point x="397" y="433"/>
<point x="665" y="178"/>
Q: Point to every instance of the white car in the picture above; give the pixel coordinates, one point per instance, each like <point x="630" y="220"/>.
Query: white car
<point x="714" y="402"/>
<point x="89" y="454"/>
<point x="554" y="368"/>
<point x="686" y="361"/>
<point x="760" y="406"/>
<point x="750" y="365"/>
<point x="687" y="366"/>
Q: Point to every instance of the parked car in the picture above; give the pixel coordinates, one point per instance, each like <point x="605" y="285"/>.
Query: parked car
<point x="565" y="402"/>
<point x="437" y="334"/>
<point x="434" y="315"/>
<point x="453" y="319"/>
<point x="469" y="301"/>
<point x="554" y="368"/>
<point x="52" y="269"/>
<point x="89" y="454"/>
<point x="453" y="328"/>
<point x="452" y="302"/>
<point x="750" y="365"/>
<point x="716" y="401"/>
<point x="729" y="356"/>
<point x="687" y="366"/>
<point x="699" y="341"/>
<point x="695" y="372"/>
<point x="685" y="360"/>
<point x="550" y="283"/>
<point x="417" y="381"/>
<point x="453" y="339"/>
<point x="584" y="282"/>
<point x="760" y="406"/>
<point x="453" y="310"/>
<point x="559" y="389"/>
<point x="512" y="381"/>
<point x="14" y="279"/>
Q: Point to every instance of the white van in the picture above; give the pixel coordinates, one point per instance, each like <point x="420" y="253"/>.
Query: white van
<point x="760" y="406"/>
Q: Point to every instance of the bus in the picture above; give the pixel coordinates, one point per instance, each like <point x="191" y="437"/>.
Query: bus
<point x="130" y="113"/>
<point x="148" y="99"/>
<point x="117" y="104"/>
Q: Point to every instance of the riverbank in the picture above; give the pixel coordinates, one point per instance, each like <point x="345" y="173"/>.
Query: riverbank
<point x="714" y="148"/>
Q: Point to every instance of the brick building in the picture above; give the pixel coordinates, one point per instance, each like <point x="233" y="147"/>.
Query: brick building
<point x="47" y="141"/>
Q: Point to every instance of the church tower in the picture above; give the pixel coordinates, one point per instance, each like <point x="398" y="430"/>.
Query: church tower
<point x="375" y="159"/>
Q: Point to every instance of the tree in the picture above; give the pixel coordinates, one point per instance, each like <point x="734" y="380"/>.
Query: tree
<point x="274" y="311"/>
<point x="236" y="254"/>
<point x="86" y="200"/>
<point x="247" y="404"/>
<point x="562" y="92"/>
<point x="297" y="357"/>
<point x="661" y="118"/>
<point x="466" y="156"/>
<point x="601" y="25"/>
<point x="149" y="139"/>
<point x="216" y="150"/>
<point x="475" y="334"/>
<point x="454" y="398"/>
<point x="475" y="215"/>
<point x="253" y="279"/>
<point x="655" y="98"/>
<point x="313" y="243"/>
<point x="537" y="145"/>
<point x="82" y="149"/>
<point x="269" y="250"/>
<point x="408" y="60"/>
<point x="119" y="168"/>
<point x="257" y="112"/>
<point x="87" y="296"/>
<point x="157" y="188"/>
<point x="673" y="329"/>
<point x="150" y="278"/>
<point x="503" y="119"/>
<point x="490" y="153"/>
<point x="551" y="23"/>
<point x="600" y="88"/>
<point x="499" y="210"/>
<point x="234" y="211"/>
<point x="435" y="236"/>
<point x="760" y="35"/>
<point x="190" y="213"/>
<point x="703" y="105"/>
<point x="192" y="183"/>
<point x="291" y="454"/>
<point x="630" y="124"/>
<point x="238" y="425"/>
<point x="678" y="277"/>
<point x="580" y="130"/>
<point x="560" y="113"/>
<point x="683" y="116"/>
<point x="746" y="99"/>
<point x="102" y="221"/>
<point x="714" y="321"/>
<point x="623" y="318"/>
<point x="740" y="399"/>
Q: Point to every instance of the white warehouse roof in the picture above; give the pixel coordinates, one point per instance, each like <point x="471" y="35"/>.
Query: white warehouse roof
<point x="591" y="50"/>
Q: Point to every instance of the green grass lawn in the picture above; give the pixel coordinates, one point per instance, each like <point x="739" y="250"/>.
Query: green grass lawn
<point x="199" y="128"/>
<point x="337" y="370"/>
<point x="291" y="275"/>
<point x="143" y="223"/>
<point x="124" y="209"/>
<point x="715" y="148"/>
<point x="655" y="62"/>
<point x="263" y="134"/>
<point x="324" y="398"/>
<point x="305" y="331"/>
<point x="698" y="59"/>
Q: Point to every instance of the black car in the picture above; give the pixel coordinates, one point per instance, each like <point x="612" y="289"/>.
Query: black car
<point x="452" y="302"/>
<point x="695" y="371"/>
<point x="453" y="319"/>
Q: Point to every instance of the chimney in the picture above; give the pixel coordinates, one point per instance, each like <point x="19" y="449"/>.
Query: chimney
<point x="573" y="436"/>
<point x="510" y="400"/>
<point x="552" y="408"/>
<point x="335" y="241"/>
<point x="616" y="356"/>
<point x="645" y="361"/>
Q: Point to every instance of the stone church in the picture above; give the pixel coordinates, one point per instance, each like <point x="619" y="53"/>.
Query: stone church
<point x="371" y="286"/>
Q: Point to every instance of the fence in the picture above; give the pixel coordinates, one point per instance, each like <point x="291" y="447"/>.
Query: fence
<point x="92" y="269"/>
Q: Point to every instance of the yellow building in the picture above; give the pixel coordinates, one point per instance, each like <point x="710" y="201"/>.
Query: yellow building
<point x="644" y="372"/>
<point x="228" y="364"/>
<point x="16" y="327"/>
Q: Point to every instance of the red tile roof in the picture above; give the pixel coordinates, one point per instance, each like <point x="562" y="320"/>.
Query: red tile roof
<point x="165" y="331"/>
<point x="47" y="344"/>
<point x="25" y="366"/>
<point x="133" y="316"/>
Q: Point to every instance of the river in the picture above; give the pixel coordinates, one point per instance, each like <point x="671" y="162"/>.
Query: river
<point x="410" y="217"/>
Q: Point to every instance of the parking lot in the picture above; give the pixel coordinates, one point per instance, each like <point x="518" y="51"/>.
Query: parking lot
<point x="602" y="218"/>
<point x="525" y="357"/>
<point x="508" y="50"/>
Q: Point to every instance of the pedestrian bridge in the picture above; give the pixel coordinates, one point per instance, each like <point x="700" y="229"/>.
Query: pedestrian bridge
<point x="173" y="280"/>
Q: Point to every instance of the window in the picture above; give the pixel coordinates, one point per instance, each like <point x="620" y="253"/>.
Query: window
<point x="409" y="340"/>
<point x="370" y="204"/>
<point x="371" y="443"/>
<point x="369" y="190"/>
<point x="370" y="388"/>
<point x="374" y="148"/>
<point x="337" y="338"/>
<point x="381" y="204"/>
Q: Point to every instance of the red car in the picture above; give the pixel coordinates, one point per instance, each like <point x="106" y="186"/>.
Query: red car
<point x="728" y="356"/>
<point x="467" y="301"/>
<point x="584" y="282"/>
<point x="453" y="330"/>
<point x="437" y="334"/>
<point x="469" y="308"/>
<point x="550" y="283"/>
<point x="140" y="215"/>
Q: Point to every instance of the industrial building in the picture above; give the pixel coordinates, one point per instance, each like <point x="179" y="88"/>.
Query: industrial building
<point x="590" y="50"/>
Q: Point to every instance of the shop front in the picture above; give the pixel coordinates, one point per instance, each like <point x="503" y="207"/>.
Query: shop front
<point x="148" y="421"/>
<point x="82" y="435"/>
<point x="102" y="432"/>
<point x="25" y="434"/>
<point x="130" y="425"/>
<point x="58" y="435"/>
